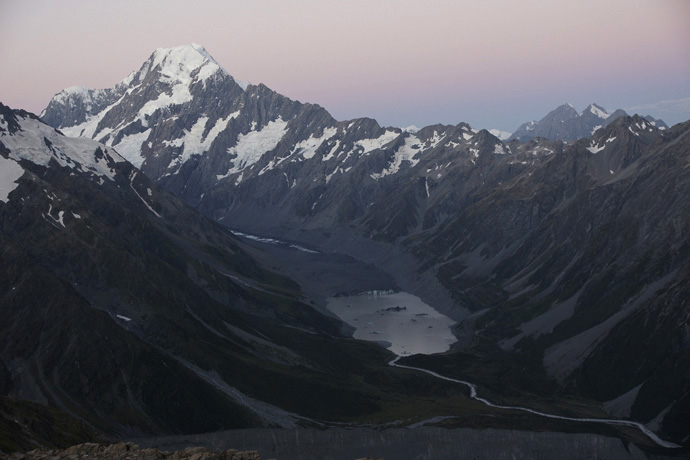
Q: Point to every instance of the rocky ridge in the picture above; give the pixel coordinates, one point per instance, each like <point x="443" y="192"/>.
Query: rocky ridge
<point x="130" y="451"/>
<point x="564" y="123"/>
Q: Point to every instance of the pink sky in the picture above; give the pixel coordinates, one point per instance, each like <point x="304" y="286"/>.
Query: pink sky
<point x="494" y="63"/>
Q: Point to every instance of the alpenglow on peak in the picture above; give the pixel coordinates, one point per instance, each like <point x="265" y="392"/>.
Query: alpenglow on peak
<point x="183" y="62"/>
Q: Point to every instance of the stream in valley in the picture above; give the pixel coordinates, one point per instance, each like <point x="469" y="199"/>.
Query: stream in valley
<point x="399" y="321"/>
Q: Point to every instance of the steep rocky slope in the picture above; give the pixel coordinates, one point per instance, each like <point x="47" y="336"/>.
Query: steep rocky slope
<point x="127" y="309"/>
<point x="581" y="265"/>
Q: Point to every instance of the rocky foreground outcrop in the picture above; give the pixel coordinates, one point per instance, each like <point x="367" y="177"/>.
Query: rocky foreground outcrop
<point x="131" y="451"/>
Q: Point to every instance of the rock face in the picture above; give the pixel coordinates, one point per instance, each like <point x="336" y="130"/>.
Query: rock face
<point x="130" y="451"/>
<point x="566" y="124"/>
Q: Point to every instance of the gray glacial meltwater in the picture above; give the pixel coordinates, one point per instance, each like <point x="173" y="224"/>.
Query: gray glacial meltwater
<point x="401" y="322"/>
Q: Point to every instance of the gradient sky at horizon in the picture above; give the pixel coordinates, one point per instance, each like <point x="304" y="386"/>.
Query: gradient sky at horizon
<point x="491" y="63"/>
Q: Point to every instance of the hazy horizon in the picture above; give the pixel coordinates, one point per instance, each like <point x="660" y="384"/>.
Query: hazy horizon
<point x="494" y="65"/>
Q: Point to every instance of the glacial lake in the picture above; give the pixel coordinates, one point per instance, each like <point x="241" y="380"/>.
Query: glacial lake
<point x="401" y="322"/>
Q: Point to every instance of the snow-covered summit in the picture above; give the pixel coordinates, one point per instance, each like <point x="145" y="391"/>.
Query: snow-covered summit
<point x="165" y="87"/>
<point x="182" y="64"/>
<point x="74" y="91"/>
<point x="596" y="110"/>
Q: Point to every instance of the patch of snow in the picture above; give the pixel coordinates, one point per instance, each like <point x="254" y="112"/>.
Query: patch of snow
<point x="10" y="172"/>
<point x="630" y="129"/>
<point x="611" y="139"/>
<point x="59" y="220"/>
<point x="251" y="146"/>
<point x="180" y="95"/>
<point x="124" y="318"/>
<point x="594" y="130"/>
<point x="308" y="147"/>
<point x="435" y="139"/>
<point x="596" y="149"/>
<point x="611" y="171"/>
<point x="331" y="154"/>
<point x="412" y="129"/>
<point x="467" y="136"/>
<point x="88" y="127"/>
<point x="406" y="152"/>
<point x="369" y="145"/>
<point x="598" y="112"/>
<point x="32" y="144"/>
<point x="76" y="216"/>
<point x="131" y="185"/>
<point x="499" y="150"/>
<point x="330" y="176"/>
<point x="130" y="147"/>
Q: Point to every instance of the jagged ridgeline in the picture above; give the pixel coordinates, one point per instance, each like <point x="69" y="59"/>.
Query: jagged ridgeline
<point x="566" y="124"/>
<point x="566" y="260"/>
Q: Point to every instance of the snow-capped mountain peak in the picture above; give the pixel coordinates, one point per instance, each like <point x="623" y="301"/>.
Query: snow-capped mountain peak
<point x="78" y="91"/>
<point x="597" y="111"/>
<point x="566" y="124"/>
<point x="158" y="95"/>
<point x="184" y="63"/>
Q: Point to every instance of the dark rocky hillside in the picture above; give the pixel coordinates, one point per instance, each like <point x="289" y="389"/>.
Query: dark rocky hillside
<point x="582" y="266"/>
<point x="125" y="308"/>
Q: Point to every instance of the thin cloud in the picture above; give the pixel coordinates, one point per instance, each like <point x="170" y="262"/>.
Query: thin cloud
<point x="674" y="106"/>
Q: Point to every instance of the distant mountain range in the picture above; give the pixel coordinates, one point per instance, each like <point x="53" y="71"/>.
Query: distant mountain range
<point x="564" y="123"/>
<point x="565" y="252"/>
